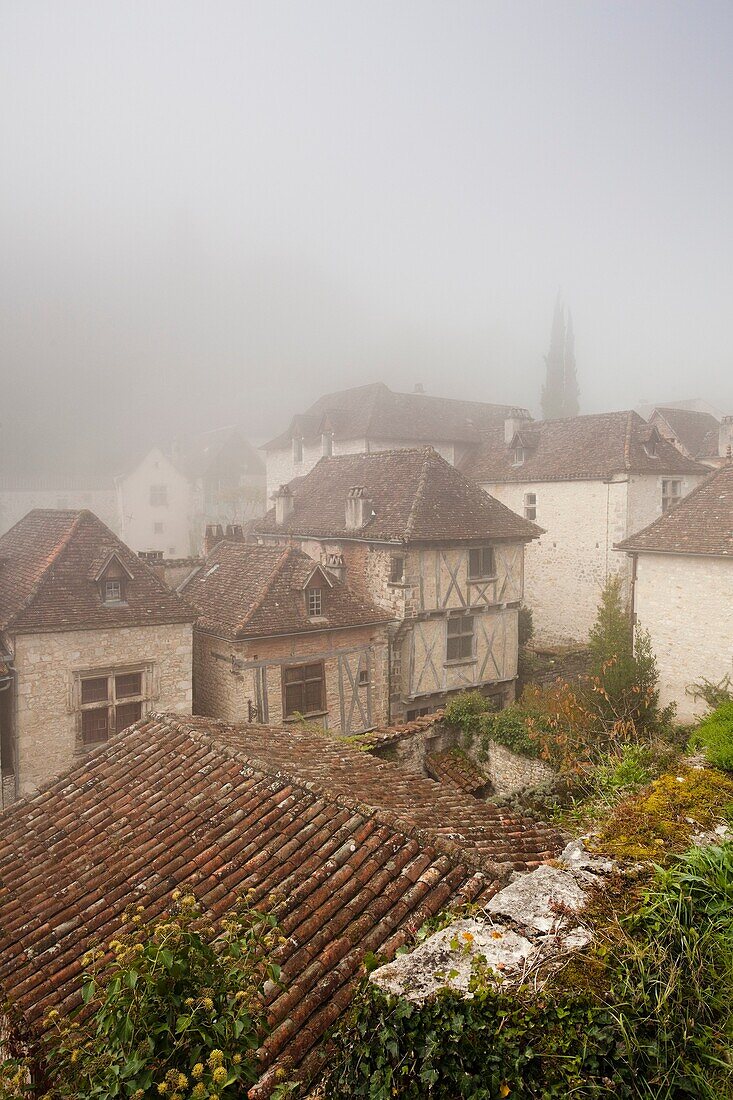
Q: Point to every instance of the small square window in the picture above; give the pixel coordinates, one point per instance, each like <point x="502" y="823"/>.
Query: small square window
<point x="397" y="569"/>
<point x="363" y="676"/>
<point x="303" y="690"/>
<point x="315" y="602"/>
<point x="158" y="528"/>
<point x="481" y="563"/>
<point x="158" y="494"/>
<point x="530" y="506"/>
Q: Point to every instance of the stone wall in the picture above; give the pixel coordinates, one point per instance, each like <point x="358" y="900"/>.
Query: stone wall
<point x="223" y="690"/>
<point x="686" y="604"/>
<point x="508" y="771"/>
<point x="543" y="665"/>
<point x="47" y="718"/>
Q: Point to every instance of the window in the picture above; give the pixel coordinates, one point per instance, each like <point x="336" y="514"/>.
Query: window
<point x="158" y="494"/>
<point x="363" y="676"/>
<point x="327" y="444"/>
<point x="397" y="569"/>
<point x="481" y="563"/>
<point x="158" y="528"/>
<point x="114" y="591"/>
<point x="671" y="494"/>
<point x="297" y="449"/>
<point x="303" y="690"/>
<point x="460" y="638"/>
<point x="518" y="457"/>
<point x="530" y="506"/>
<point x="315" y="602"/>
<point x="109" y="704"/>
<point x="150" y="555"/>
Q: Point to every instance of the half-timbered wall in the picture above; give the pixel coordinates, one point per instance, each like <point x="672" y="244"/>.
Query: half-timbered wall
<point x="243" y="681"/>
<point x="426" y="669"/>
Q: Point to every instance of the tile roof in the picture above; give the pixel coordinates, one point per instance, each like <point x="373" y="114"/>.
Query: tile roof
<point x="417" y="497"/>
<point x="702" y="522"/>
<point x="455" y="768"/>
<point x="361" y="852"/>
<point x="47" y="566"/>
<point x="578" y="448"/>
<point x="246" y="591"/>
<point x="694" y="430"/>
<point x="377" y="413"/>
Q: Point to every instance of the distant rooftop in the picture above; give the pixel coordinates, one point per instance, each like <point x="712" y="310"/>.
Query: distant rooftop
<point x="702" y="522"/>
<point x="377" y="413"/>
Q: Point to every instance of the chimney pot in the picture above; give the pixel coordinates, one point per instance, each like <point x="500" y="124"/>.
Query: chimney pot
<point x="358" y="508"/>
<point x="725" y="437"/>
<point x="284" y="505"/>
<point x="214" y="534"/>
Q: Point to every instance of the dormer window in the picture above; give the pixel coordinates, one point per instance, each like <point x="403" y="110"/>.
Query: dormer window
<point x="518" y="456"/>
<point x="651" y="447"/>
<point x="327" y="444"/>
<point x="297" y="449"/>
<point x="114" y="591"/>
<point x="314" y="598"/>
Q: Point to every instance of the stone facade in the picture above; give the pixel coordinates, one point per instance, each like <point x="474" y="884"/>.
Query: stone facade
<point x="566" y="569"/>
<point x="47" y="666"/>
<point x="243" y="681"/>
<point x="686" y="604"/>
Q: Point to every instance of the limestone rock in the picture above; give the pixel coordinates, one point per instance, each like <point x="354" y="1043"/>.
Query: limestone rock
<point x="446" y="959"/>
<point x="544" y="902"/>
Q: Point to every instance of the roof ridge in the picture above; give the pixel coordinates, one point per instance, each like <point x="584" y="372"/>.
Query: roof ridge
<point x="419" y="494"/>
<point x="282" y="558"/>
<point x="469" y="856"/>
<point x="53" y="559"/>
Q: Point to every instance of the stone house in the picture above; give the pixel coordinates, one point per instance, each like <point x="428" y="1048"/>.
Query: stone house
<point x="374" y="418"/>
<point x="409" y="531"/>
<point x="682" y="591"/>
<point x="361" y="853"/>
<point x="589" y="482"/>
<point x="698" y="434"/>
<point x="279" y="638"/>
<point x="166" y="500"/>
<point x="90" y="640"/>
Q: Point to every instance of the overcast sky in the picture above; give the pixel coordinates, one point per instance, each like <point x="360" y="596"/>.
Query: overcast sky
<point x="215" y="211"/>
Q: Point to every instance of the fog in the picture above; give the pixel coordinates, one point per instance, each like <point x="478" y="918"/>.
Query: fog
<point x="214" y="212"/>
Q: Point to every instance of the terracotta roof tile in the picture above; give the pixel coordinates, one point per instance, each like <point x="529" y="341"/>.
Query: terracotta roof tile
<point x="416" y="496"/>
<point x="694" y="430"/>
<point x="48" y="562"/>
<point x="582" y="447"/>
<point x="458" y="770"/>
<point x="702" y="522"/>
<point x="244" y="591"/>
<point x="361" y="852"/>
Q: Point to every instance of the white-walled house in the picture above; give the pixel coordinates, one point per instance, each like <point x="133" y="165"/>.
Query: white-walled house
<point x="698" y="434"/>
<point x="169" y="497"/>
<point x="589" y="482"/>
<point x="682" y="591"/>
<point x="20" y="494"/>
<point x="375" y="418"/>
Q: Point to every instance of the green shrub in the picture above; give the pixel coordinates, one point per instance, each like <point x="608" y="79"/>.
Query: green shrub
<point x="623" y="773"/>
<point x="715" y="736"/>
<point x="514" y="727"/>
<point x="712" y="692"/>
<point x="178" y="1010"/>
<point x="464" y="710"/>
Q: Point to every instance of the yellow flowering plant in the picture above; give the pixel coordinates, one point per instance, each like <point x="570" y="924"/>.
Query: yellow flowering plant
<point x="171" y="1007"/>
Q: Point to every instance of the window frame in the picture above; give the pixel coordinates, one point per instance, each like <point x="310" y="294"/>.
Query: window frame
<point x="113" y="600"/>
<point x="530" y="506"/>
<point x="290" y="713"/>
<point x="314" y="602"/>
<point x="111" y="704"/>
<point x="669" y="500"/>
<point x="158" y="496"/>
<point x="297" y="449"/>
<point x="518" y="456"/>
<point x="482" y="575"/>
<point x="460" y="636"/>
<point x="394" y="559"/>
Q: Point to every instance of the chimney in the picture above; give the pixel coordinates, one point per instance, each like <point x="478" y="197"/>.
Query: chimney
<point x="334" y="563"/>
<point x="358" y="508"/>
<point x="284" y="505"/>
<point x="419" y="388"/>
<point x="234" y="531"/>
<point x="725" y="437"/>
<point x="512" y="424"/>
<point x="214" y="534"/>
